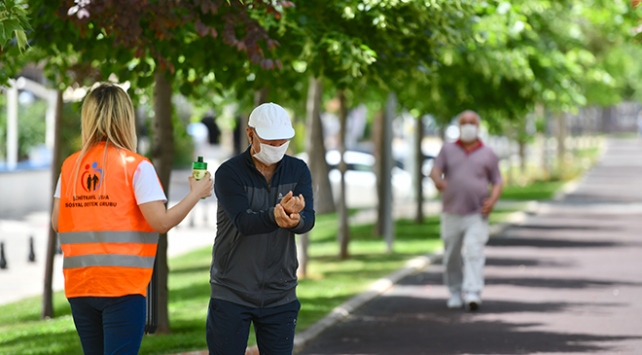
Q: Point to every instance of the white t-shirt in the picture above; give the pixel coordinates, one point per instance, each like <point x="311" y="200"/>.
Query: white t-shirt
<point x="147" y="188"/>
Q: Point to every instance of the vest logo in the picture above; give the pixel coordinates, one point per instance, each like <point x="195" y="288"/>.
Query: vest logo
<point x="92" y="177"/>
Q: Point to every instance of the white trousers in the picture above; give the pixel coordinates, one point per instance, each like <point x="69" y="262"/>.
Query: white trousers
<point x="464" y="238"/>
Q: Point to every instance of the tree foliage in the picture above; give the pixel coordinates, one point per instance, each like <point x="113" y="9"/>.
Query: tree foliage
<point x="521" y="53"/>
<point x="13" y="24"/>
<point x="93" y="40"/>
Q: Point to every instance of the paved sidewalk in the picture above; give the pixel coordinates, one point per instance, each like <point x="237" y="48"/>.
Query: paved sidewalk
<point x="566" y="280"/>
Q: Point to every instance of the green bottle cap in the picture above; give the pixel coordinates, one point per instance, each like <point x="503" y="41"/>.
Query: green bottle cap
<point x="199" y="164"/>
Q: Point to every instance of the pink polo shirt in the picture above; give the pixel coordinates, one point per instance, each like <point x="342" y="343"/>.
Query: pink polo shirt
<point x="469" y="175"/>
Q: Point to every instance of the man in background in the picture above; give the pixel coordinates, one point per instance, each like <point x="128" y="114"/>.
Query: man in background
<point x="467" y="174"/>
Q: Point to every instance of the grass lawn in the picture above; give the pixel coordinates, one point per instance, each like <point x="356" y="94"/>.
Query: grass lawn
<point x="331" y="282"/>
<point x="537" y="190"/>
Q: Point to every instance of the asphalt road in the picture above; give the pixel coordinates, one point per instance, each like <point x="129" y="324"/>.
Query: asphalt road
<point x="568" y="280"/>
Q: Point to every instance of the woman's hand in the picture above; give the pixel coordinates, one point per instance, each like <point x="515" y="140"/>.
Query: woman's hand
<point x="203" y="187"/>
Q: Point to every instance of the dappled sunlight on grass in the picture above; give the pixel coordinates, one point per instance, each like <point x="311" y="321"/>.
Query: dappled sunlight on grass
<point x="52" y="336"/>
<point x="538" y="190"/>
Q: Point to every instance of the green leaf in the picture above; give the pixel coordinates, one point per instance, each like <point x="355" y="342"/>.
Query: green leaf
<point x="22" y="40"/>
<point x="145" y="81"/>
<point x="10" y="26"/>
<point x="3" y="37"/>
<point x="24" y="20"/>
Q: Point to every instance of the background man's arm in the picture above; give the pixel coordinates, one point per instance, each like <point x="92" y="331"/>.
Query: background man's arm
<point x="489" y="203"/>
<point x="436" y="175"/>
<point x="495" y="179"/>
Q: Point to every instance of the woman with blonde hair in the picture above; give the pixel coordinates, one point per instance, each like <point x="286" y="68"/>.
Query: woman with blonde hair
<point x="109" y="208"/>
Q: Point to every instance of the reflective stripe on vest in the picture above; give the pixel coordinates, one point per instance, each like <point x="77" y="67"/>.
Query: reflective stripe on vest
<point x="108" y="237"/>
<point x="108" y="260"/>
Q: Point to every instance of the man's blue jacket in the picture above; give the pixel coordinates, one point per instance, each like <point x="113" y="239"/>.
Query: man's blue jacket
<point x="254" y="261"/>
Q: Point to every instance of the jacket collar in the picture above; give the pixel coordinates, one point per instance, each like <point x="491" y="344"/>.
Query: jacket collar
<point x="472" y="148"/>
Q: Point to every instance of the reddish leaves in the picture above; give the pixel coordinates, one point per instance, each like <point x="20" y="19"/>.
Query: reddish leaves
<point x="201" y="28"/>
<point x="143" y="24"/>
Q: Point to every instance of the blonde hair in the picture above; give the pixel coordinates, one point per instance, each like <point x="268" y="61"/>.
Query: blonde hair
<point x="107" y="116"/>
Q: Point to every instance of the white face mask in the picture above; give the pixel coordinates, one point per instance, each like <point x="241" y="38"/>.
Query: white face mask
<point x="467" y="132"/>
<point x="271" y="155"/>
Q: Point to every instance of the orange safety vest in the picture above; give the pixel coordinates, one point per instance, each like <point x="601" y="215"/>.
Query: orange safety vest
<point x="108" y="246"/>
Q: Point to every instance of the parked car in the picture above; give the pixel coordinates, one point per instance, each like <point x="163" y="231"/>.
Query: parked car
<point x="361" y="180"/>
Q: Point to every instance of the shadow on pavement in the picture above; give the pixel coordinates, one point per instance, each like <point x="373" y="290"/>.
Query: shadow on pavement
<point x="549" y="227"/>
<point x="550" y="243"/>
<point x="595" y="198"/>
<point x="582" y="218"/>
<point x="435" y="279"/>
<point x="512" y="262"/>
<point x="557" y="283"/>
<point x="425" y="326"/>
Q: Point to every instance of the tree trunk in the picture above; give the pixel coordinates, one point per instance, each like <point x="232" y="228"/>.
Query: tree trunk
<point x="302" y="255"/>
<point x="344" y="232"/>
<point x="47" y="294"/>
<point x="315" y="149"/>
<point x="385" y="191"/>
<point x="546" y="151"/>
<point x="607" y="119"/>
<point x="323" y="197"/>
<point x="238" y="134"/>
<point x="419" y="175"/>
<point x="561" y="142"/>
<point x="377" y="143"/>
<point x="163" y="156"/>
<point x="509" y="178"/>
<point x="260" y="97"/>
<point x="522" y="156"/>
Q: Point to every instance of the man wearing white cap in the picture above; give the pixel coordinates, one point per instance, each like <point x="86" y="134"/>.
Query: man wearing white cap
<point x="264" y="199"/>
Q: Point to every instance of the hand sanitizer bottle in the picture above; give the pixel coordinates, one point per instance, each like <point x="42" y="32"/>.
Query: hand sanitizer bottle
<point x="199" y="168"/>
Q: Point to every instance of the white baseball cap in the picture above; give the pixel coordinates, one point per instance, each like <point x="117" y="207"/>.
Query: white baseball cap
<point x="271" y="122"/>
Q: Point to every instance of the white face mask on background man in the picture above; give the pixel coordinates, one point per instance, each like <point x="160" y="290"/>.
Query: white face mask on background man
<point x="271" y="155"/>
<point x="468" y="132"/>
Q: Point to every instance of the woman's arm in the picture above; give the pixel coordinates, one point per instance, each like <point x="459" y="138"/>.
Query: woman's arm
<point x="54" y="214"/>
<point x="162" y="219"/>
